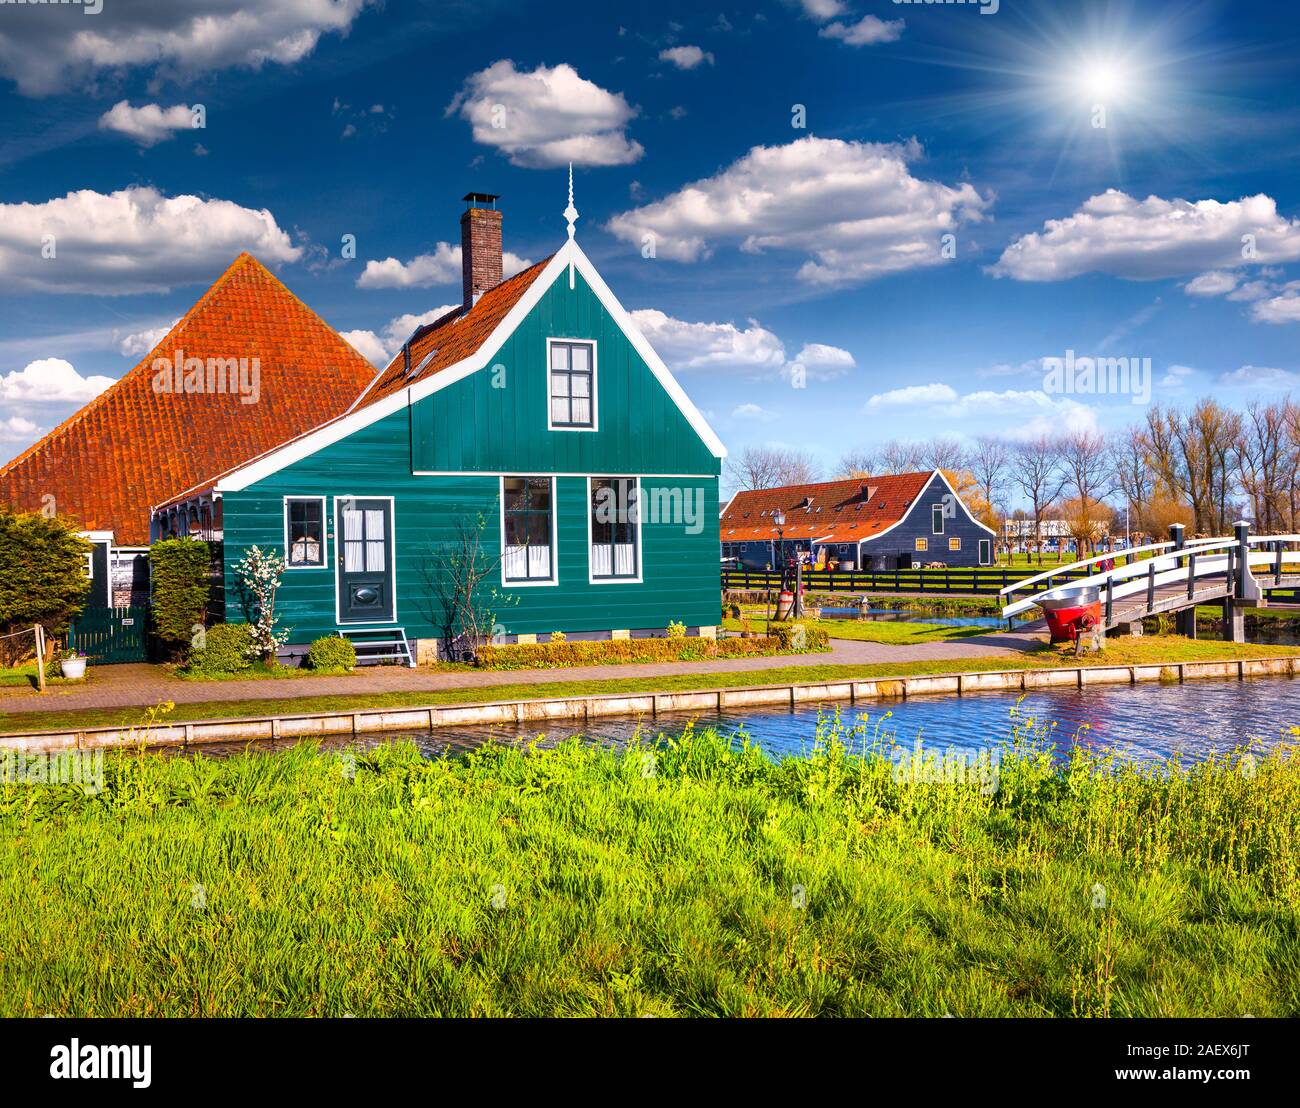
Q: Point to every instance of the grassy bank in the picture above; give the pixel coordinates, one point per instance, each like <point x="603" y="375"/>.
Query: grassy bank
<point x="1123" y="651"/>
<point x="865" y="630"/>
<point x="700" y="881"/>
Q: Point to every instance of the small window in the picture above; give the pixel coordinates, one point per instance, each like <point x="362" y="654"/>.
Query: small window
<point x="936" y="519"/>
<point x="615" y="517"/>
<point x="528" y="544"/>
<point x="304" y="533"/>
<point x="573" y="379"/>
<point x="922" y="544"/>
<point x="954" y="544"/>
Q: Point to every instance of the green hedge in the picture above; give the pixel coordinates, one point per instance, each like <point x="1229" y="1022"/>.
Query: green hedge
<point x="332" y="652"/>
<point x="225" y="650"/>
<point x="557" y="655"/>
<point x="43" y="580"/>
<point x="179" y="572"/>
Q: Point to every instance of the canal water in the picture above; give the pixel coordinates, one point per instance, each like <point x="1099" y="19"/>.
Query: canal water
<point x="1143" y="721"/>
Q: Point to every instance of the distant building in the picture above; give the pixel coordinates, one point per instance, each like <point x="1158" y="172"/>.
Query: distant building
<point x="862" y="523"/>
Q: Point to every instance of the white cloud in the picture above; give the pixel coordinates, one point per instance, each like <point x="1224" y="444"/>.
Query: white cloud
<point x="754" y="413"/>
<point x="130" y="241"/>
<point x="690" y="346"/>
<point x="685" y="57"/>
<point x="1283" y="308"/>
<point x="546" y="118"/>
<point x="1032" y="410"/>
<point x="867" y="31"/>
<point x="822" y="10"/>
<point x="1260" y="377"/>
<point x="47" y="51"/>
<point x="854" y="206"/>
<point x="1176" y="377"/>
<point x="148" y="124"/>
<point x="1214" y="283"/>
<point x="139" y="343"/>
<point x="442" y="267"/>
<point x="913" y="396"/>
<point x="19" y="432"/>
<point x="821" y="362"/>
<point x="685" y="345"/>
<point x="50" y="381"/>
<point x="379" y="349"/>
<point x="1150" y="239"/>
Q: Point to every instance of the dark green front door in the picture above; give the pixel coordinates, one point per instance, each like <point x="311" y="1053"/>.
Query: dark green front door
<point x="364" y="548"/>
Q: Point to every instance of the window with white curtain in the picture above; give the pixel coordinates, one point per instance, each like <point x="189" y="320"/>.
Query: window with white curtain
<point x="304" y="527"/>
<point x="573" y="378"/>
<point x="528" y="544"/>
<point x="615" y="517"/>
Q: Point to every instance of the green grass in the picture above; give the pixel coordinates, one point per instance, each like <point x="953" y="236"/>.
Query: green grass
<point x="24" y="677"/>
<point x="898" y="634"/>
<point x="1122" y="651"/>
<point x="701" y="881"/>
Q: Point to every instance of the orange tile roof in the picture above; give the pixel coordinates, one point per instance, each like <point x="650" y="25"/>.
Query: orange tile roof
<point x="454" y="337"/>
<point x="840" y="511"/>
<point x="134" y="446"/>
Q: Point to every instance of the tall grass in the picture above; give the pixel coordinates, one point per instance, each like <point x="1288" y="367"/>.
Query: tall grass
<point x="689" y="875"/>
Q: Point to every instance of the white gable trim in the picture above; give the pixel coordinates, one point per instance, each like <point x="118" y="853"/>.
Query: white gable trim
<point x="569" y="254"/>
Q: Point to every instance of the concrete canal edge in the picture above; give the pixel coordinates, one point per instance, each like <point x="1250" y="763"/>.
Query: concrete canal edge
<point x="360" y="722"/>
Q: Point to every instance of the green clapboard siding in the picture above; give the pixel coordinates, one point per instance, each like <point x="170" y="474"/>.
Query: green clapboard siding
<point x="496" y="420"/>
<point x="481" y="431"/>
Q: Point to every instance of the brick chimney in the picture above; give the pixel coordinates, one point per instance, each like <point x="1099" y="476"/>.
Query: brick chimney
<point x="480" y="246"/>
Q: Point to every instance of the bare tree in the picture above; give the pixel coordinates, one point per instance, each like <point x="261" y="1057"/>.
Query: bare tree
<point x="989" y="462"/>
<point x="1194" y="456"/>
<point x="858" y="463"/>
<point x="1264" y="453"/>
<point x="1036" y="471"/>
<point x="943" y="453"/>
<point x="901" y="457"/>
<point x="1130" y="462"/>
<point x="768" y="467"/>
<point x="1085" y="462"/>
<point x="458" y="596"/>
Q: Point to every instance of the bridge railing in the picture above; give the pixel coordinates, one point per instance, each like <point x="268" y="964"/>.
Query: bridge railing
<point x="1169" y="563"/>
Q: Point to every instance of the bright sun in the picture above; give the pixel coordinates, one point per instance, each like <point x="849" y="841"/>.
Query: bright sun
<point x="1102" y="81"/>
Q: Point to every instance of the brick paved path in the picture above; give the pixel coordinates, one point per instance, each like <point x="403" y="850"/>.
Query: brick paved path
<point x="129" y="686"/>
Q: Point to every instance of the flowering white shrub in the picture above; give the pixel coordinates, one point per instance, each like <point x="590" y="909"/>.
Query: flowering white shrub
<point x="260" y="572"/>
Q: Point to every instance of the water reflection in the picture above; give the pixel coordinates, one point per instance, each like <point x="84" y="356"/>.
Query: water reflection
<point x="1143" y="721"/>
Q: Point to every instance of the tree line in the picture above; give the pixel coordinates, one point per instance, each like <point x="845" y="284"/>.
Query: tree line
<point x="1204" y="466"/>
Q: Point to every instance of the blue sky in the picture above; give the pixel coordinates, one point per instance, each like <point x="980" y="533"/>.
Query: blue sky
<point x="1118" y="180"/>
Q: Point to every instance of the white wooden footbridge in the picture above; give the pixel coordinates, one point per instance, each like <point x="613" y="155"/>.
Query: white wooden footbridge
<point x="1175" y="576"/>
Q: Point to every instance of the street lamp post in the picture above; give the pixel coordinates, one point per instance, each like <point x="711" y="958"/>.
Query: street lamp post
<point x="779" y="520"/>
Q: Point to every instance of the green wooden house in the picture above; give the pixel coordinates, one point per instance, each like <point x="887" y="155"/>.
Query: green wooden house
<point x="534" y="420"/>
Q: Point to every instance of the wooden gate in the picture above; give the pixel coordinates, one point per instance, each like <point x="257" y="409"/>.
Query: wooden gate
<point x="109" y="635"/>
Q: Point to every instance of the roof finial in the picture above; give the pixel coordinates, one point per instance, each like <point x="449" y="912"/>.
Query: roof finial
<point x="571" y="213"/>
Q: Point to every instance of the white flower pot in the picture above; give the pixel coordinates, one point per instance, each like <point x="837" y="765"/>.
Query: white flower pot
<point x="73" y="668"/>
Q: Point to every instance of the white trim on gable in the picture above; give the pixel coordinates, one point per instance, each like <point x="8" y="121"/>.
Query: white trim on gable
<point x="568" y="254"/>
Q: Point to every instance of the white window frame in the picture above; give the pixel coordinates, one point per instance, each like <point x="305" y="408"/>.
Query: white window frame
<point x="954" y="539"/>
<point x="324" y="532"/>
<point x="939" y="509"/>
<point x="922" y="545"/>
<point x="595" y="387"/>
<point x="985" y="544"/>
<point x="639" y="579"/>
<point x="554" y="579"/>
